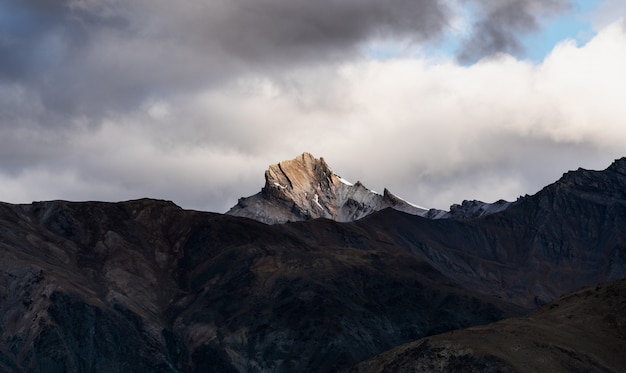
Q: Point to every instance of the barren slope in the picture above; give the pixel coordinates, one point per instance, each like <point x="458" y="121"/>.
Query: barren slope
<point x="581" y="332"/>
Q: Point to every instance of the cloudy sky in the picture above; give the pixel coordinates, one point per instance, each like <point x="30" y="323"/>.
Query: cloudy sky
<point x="191" y="100"/>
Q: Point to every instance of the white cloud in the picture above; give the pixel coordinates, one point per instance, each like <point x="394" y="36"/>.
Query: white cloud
<point x="608" y="12"/>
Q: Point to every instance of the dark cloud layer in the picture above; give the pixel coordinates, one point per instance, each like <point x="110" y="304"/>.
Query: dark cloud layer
<point x="38" y="37"/>
<point x="86" y="57"/>
<point x="261" y="29"/>
<point x="501" y="23"/>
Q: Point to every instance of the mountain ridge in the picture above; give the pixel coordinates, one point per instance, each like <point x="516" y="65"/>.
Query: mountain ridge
<point x="152" y="287"/>
<point x="567" y="235"/>
<point x="306" y="188"/>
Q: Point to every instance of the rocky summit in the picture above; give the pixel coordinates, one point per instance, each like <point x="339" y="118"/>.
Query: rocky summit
<point x="306" y="188"/>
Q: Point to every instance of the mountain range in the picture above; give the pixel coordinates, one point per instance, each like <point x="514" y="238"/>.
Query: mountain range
<point x="316" y="274"/>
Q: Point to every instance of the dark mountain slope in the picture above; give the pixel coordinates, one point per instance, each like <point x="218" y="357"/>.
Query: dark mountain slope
<point x="82" y="286"/>
<point x="568" y="235"/>
<point x="146" y="286"/>
<point x="305" y="307"/>
<point x="581" y="332"/>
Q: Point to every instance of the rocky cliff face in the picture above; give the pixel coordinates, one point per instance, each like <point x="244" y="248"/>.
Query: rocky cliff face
<point x="306" y="188"/>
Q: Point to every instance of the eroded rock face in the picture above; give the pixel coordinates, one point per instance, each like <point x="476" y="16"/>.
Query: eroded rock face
<point x="306" y="188"/>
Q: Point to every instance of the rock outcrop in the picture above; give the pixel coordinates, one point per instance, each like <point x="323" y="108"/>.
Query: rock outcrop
<point x="306" y="188"/>
<point x="474" y="209"/>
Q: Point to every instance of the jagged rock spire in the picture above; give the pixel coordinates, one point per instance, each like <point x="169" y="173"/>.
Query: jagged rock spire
<point x="306" y="188"/>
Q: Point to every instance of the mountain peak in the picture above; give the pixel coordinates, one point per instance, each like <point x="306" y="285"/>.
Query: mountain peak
<point x="301" y="174"/>
<point x="306" y="183"/>
<point x="306" y="188"/>
<point x="619" y="165"/>
<point x="610" y="183"/>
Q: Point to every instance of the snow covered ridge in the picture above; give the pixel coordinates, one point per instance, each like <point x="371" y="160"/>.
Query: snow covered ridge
<point x="306" y="188"/>
<point x="344" y="180"/>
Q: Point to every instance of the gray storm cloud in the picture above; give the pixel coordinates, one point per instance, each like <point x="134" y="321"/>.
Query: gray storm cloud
<point x="501" y="23"/>
<point x="85" y="57"/>
<point x="82" y="56"/>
